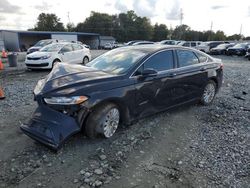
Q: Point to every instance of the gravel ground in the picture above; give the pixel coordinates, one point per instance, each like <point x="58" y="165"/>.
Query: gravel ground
<point x="193" y="146"/>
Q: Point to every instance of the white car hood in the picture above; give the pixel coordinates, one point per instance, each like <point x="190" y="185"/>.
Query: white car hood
<point x="39" y="54"/>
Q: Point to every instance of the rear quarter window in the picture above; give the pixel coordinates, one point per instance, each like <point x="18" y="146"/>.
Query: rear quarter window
<point x="202" y="58"/>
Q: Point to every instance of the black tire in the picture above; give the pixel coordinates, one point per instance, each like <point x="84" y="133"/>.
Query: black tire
<point x="95" y="122"/>
<point x="204" y="99"/>
<point x="85" y="60"/>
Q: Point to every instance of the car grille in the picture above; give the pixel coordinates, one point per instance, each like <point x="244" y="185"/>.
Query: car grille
<point x="37" y="65"/>
<point x="33" y="58"/>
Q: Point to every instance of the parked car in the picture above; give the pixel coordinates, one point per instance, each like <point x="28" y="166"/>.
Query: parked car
<point x="206" y="46"/>
<point x="221" y="49"/>
<point x="239" y="49"/>
<point x="110" y="46"/>
<point x="129" y="43"/>
<point x="41" y="44"/>
<point x="51" y="54"/>
<point x="191" y="44"/>
<point x="168" y="42"/>
<point x="248" y="54"/>
<point x="142" y="43"/>
<point x="120" y="86"/>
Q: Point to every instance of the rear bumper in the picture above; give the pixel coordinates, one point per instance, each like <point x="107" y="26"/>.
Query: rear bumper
<point x="50" y="127"/>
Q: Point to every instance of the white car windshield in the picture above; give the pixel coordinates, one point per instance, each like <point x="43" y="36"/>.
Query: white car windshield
<point x="43" y="43"/>
<point x="52" y="48"/>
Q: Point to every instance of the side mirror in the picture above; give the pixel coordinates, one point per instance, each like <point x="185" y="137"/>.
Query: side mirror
<point x="149" y="73"/>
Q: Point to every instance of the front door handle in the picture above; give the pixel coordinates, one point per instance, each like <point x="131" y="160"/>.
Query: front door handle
<point x="203" y="69"/>
<point x="172" y="75"/>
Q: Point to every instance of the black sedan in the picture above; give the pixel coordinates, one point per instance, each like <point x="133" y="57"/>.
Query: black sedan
<point x="220" y="49"/>
<point x="120" y="86"/>
<point x="239" y="49"/>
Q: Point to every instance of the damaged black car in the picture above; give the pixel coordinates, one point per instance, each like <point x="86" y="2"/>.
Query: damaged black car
<point x="120" y="86"/>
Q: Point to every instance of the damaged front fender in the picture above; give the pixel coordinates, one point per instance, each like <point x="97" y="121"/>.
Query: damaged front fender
<point x="50" y="127"/>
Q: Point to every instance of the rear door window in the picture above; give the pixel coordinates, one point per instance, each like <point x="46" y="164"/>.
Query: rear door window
<point x="67" y="48"/>
<point x="193" y="44"/>
<point x="186" y="44"/>
<point x="77" y="47"/>
<point x="161" y="61"/>
<point x="186" y="58"/>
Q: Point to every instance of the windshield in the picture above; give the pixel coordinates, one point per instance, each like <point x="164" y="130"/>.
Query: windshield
<point x="117" y="61"/>
<point x="52" y="48"/>
<point x="43" y="43"/>
<point x="222" y="46"/>
<point x="240" y="45"/>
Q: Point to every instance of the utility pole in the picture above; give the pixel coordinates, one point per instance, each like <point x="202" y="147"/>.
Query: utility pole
<point x="211" y="26"/>
<point x="181" y="16"/>
<point x="68" y="17"/>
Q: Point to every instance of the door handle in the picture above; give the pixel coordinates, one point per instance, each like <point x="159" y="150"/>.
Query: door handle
<point x="172" y="75"/>
<point x="203" y="69"/>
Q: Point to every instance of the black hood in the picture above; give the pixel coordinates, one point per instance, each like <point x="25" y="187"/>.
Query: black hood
<point x="65" y="79"/>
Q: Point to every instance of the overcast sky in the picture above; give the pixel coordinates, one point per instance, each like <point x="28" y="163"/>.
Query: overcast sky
<point x="226" y="15"/>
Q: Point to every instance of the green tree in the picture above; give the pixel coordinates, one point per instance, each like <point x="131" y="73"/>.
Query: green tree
<point x="70" y="27"/>
<point x="219" y="36"/>
<point x="48" y="22"/>
<point x="180" y="31"/>
<point x="160" y="32"/>
<point x="97" y="23"/>
<point x="234" y="37"/>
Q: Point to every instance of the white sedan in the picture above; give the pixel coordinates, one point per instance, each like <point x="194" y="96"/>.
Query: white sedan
<point x="67" y="52"/>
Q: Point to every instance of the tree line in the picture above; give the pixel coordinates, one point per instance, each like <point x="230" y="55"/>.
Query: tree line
<point x="129" y="26"/>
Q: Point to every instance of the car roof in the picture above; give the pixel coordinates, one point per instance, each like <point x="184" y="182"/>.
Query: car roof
<point x="151" y="48"/>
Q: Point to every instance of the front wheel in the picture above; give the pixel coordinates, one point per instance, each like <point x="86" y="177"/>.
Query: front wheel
<point x="55" y="62"/>
<point x="208" y="93"/>
<point x="85" y="60"/>
<point x="103" y="120"/>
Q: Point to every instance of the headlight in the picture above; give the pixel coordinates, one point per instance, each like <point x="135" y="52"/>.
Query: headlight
<point x="66" y="100"/>
<point x="45" y="57"/>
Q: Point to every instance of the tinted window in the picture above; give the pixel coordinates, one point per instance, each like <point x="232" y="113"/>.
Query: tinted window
<point x="193" y="44"/>
<point x="186" y="44"/>
<point x="67" y="48"/>
<point x="186" y="58"/>
<point x="160" y="61"/>
<point x="202" y="58"/>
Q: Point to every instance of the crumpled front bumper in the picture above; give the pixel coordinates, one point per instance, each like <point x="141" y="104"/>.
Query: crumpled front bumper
<point x="50" y="127"/>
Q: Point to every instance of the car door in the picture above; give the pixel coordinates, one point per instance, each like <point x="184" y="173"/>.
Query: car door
<point x="67" y="53"/>
<point x="152" y="93"/>
<point x="78" y="53"/>
<point x="190" y="77"/>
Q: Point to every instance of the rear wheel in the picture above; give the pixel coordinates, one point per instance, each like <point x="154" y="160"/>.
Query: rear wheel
<point x="208" y="93"/>
<point x="85" y="60"/>
<point x="104" y="120"/>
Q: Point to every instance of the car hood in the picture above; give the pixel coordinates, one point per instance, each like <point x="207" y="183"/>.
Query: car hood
<point x="35" y="48"/>
<point x="39" y="54"/>
<point x="66" y="79"/>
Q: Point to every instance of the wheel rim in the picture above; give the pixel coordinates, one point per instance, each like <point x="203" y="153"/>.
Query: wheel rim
<point x="209" y="93"/>
<point x="85" y="60"/>
<point x="111" y="122"/>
